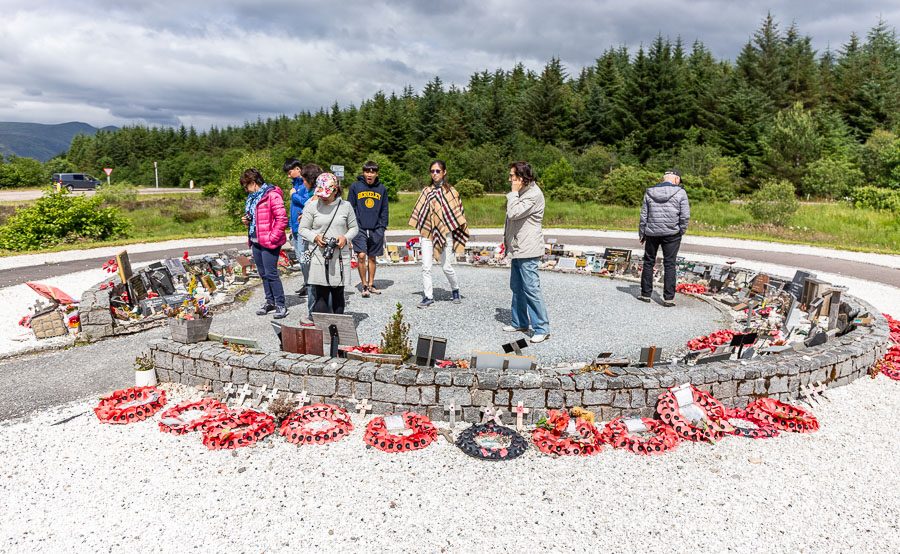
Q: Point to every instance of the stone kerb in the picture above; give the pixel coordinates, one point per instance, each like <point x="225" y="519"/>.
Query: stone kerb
<point x="632" y="392"/>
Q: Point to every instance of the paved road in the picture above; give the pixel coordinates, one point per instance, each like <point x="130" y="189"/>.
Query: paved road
<point x="846" y="268"/>
<point x="33" y="194"/>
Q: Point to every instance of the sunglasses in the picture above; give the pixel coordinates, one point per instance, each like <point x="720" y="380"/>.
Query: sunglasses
<point x="436" y="171"/>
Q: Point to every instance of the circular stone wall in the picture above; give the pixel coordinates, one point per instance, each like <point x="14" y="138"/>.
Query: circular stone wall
<point x="629" y="391"/>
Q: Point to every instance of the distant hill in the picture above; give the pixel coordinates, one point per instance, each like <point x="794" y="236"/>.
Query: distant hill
<point x="39" y="141"/>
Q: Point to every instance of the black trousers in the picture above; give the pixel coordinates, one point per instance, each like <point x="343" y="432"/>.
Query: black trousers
<point x="670" y="246"/>
<point x="329" y="300"/>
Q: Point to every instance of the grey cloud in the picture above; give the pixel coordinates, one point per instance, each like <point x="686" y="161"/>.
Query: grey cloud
<point x="228" y="61"/>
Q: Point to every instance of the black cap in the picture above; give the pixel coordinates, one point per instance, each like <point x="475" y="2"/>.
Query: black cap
<point x="674" y="171"/>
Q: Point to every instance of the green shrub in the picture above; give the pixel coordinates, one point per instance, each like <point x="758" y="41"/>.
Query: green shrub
<point x="775" y="202"/>
<point x="59" y="217"/>
<point x="395" y="338"/>
<point x="231" y="190"/>
<point x="558" y="175"/>
<point x="469" y="188"/>
<point x="625" y="185"/>
<point x="876" y="198"/>
<point x="189" y="216"/>
<point x="575" y="193"/>
<point x="830" y="178"/>
<point x="118" y="193"/>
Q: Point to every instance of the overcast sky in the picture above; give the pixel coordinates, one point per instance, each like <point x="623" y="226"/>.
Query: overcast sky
<point x="224" y="62"/>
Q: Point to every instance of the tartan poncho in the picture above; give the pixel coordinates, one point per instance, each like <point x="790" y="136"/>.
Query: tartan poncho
<point x="439" y="212"/>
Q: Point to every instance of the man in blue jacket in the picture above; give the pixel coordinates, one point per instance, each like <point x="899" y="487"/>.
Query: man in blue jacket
<point x="665" y="213"/>
<point x="368" y="197"/>
<point x="300" y="194"/>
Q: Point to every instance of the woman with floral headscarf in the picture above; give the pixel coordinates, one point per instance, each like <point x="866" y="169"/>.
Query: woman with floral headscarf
<point x="330" y="224"/>
<point x="265" y="218"/>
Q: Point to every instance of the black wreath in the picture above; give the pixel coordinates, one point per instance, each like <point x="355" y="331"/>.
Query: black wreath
<point x="468" y="442"/>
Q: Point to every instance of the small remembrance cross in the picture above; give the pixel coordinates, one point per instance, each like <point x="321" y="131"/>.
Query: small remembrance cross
<point x="490" y="414"/>
<point x="262" y="394"/>
<point x="227" y="391"/>
<point x="363" y="406"/>
<point x="302" y="398"/>
<point x="452" y="408"/>
<point x="244" y="393"/>
<point x="520" y="410"/>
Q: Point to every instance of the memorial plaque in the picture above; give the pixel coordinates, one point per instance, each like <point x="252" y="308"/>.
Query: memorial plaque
<point x="429" y="349"/>
<point x="301" y="340"/>
<point x="616" y="258"/>
<point x="344" y="325"/>
<point x="161" y="281"/>
<point x="515" y="346"/>
<point x="137" y="289"/>
<point x="566" y="264"/>
<point x="175" y="267"/>
<point x="650" y="356"/>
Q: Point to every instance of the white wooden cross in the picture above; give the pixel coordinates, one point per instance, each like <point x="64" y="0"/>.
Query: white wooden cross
<point x="227" y="391"/>
<point x="262" y="393"/>
<point x="452" y="408"/>
<point x="363" y="406"/>
<point x="820" y="390"/>
<point x="490" y="414"/>
<point x="273" y="394"/>
<point x="243" y="394"/>
<point x="520" y="410"/>
<point x="302" y="398"/>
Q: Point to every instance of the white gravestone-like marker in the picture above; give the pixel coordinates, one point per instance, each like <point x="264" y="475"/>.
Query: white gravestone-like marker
<point x="452" y="408"/>
<point x="273" y="394"/>
<point x="520" y="410"/>
<point x="244" y="393"/>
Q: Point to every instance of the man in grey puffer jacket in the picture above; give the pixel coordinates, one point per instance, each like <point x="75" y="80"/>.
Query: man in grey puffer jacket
<point x="665" y="213"/>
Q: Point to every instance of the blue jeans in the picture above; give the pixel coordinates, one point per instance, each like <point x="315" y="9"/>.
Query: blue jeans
<point x="266" y="260"/>
<point x="527" y="301"/>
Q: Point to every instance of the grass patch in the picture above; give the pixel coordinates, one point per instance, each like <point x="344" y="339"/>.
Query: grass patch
<point x="832" y="225"/>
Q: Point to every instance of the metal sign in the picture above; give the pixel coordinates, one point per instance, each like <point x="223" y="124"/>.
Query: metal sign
<point x="338" y="171"/>
<point x="108" y="171"/>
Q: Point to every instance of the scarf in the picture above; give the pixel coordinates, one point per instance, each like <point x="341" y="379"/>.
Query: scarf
<point x="250" y="205"/>
<point x="444" y="202"/>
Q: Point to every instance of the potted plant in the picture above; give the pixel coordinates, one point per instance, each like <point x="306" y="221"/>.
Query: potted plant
<point x="144" y="371"/>
<point x="189" y="322"/>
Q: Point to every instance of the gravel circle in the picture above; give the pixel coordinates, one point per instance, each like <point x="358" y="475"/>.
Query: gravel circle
<point x="588" y="315"/>
<point x="84" y="487"/>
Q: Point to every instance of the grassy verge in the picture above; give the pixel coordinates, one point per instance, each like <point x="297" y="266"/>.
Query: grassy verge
<point x="832" y="225"/>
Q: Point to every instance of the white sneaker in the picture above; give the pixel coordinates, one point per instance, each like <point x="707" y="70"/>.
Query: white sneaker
<point x="539" y="338"/>
<point x="511" y="329"/>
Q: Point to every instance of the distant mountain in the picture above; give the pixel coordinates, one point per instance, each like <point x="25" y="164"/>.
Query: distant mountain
<point x="39" y="141"/>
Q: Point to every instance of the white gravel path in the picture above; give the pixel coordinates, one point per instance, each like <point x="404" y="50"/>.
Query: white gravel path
<point x="87" y="487"/>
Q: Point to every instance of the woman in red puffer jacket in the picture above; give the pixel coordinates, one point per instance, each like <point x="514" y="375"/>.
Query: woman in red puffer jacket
<point x="265" y="218"/>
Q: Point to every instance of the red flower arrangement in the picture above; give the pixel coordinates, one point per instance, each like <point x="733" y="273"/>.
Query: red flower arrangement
<point x="690" y="288"/>
<point x="716" y="338"/>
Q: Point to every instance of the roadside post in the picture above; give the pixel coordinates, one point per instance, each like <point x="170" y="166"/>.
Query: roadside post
<point x="156" y="174"/>
<point x="108" y="171"/>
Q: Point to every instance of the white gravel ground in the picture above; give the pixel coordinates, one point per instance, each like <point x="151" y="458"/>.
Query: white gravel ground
<point x="85" y="487"/>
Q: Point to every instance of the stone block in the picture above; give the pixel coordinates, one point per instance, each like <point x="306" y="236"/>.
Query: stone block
<point x="777" y="385"/>
<point x="555" y="399"/>
<point x="638" y="398"/>
<point x="162" y="360"/>
<point x="344" y="388"/>
<point x="404" y="376"/>
<point x="283" y="364"/>
<point x="531" y="380"/>
<point x="225" y="373"/>
<point x="412" y="395"/>
<point x="724" y="390"/>
<point x="366" y="374"/>
<point x="464" y="379"/>
<point x="597" y="397"/>
<point x="458" y="395"/>
<point x="632" y="382"/>
<point x="549" y="382"/>
<point x="483" y="398"/>
<point x="428" y="394"/>
<point x="471" y="415"/>
<point x="386" y="392"/>
<point x="322" y="386"/>
<point x="331" y="369"/>
<point x="531" y="398"/>
<point x="583" y="381"/>
<point x="510" y="381"/>
<point x="259" y="377"/>
<point x="362" y="390"/>
<point x="488" y="378"/>
<point x="745" y="388"/>
<point x="209" y="370"/>
<point x="240" y="375"/>
<point x="349" y="371"/>
<point x="425" y="377"/>
<point x="567" y="383"/>
<point x="622" y="399"/>
<point x="443" y="378"/>
<point x="281" y="381"/>
<point x="383" y="408"/>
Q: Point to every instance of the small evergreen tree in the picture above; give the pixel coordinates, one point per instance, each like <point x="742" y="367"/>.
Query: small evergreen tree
<point x="395" y="338"/>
